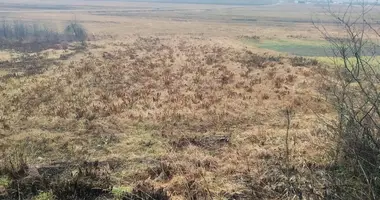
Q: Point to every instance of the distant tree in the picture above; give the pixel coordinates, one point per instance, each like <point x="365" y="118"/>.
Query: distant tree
<point x="20" y="30"/>
<point x="6" y="31"/>
<point x="77" y="31"/>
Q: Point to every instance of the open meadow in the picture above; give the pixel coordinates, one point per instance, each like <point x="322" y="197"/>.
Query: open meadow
<point x="166" y="101"/>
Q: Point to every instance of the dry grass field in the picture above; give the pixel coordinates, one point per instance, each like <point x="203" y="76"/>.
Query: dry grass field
<point x="167" y="99"/>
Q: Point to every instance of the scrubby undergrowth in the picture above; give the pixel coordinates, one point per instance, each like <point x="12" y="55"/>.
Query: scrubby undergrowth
<point x="195" y="118"/>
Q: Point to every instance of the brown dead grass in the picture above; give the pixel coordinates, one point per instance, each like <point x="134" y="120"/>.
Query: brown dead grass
<point x="193" y="116"/>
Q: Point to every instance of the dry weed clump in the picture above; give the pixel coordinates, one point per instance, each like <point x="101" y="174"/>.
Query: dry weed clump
<point x="179" y="115"/>
<point x="302" y="61"/>
<point x="86" y="180"/>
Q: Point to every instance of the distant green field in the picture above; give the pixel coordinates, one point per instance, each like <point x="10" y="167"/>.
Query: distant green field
<point x="294" y="47"/>
<point x="373" y="61"/>
<point x="300" y="47"/>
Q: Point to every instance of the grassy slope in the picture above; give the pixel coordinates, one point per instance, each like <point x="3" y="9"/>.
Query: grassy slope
<point x="161" y="109"/>
<point x="207" y="112"/>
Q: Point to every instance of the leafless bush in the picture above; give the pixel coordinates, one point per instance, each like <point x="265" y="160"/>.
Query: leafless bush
<point x="354" y="91"/>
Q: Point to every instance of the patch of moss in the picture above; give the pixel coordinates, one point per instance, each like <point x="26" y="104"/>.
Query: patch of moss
<point x="120" y="191"/>
<point x="44" y="196"/>
<point x="4" y="181"/>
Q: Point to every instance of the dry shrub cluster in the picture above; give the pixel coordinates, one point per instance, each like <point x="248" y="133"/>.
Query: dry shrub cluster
<point x="302" y="61"/>
<point x="190" y="117"/>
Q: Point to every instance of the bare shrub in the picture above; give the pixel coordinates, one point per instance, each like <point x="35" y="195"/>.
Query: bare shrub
<point x="354" y="91"/>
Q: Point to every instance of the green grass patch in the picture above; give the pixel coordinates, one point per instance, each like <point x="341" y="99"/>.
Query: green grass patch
<point x="309" y="48"/>
<point x="119" y="192"/>
<point x="314" y="49"/>
<point x="336" y="61"/>
<point x="4" y="181"/>
<point x="44" y="196"/>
